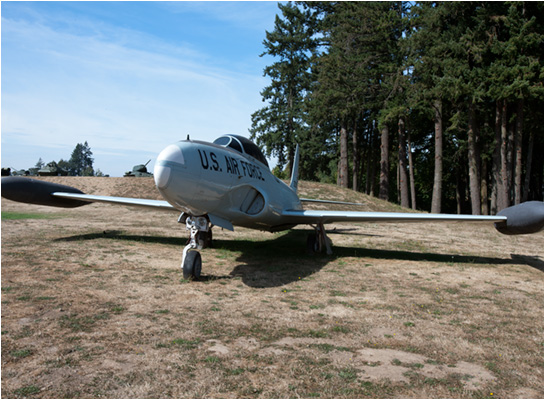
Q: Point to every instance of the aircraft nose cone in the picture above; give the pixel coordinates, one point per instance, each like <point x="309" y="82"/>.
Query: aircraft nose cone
<point x="170" y="157"/>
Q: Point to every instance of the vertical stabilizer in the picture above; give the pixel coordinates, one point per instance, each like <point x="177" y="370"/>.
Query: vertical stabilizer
<point x="295" y="170"/>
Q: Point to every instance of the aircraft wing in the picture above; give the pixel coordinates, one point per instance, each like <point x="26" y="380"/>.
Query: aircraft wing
<point x="519" y="219"/>
<point x="128" y="201"/>
<point x="45" y="193"/>
<point x="326" y="217"/>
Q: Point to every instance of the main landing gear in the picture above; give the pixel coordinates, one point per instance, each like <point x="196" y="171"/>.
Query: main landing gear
<point x="200" y="237"/>
<point x="318" y="241"/>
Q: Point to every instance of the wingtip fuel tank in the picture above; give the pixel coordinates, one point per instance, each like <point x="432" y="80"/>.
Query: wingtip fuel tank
<point x="522" y="219"/>
<point x="33" y="191"/>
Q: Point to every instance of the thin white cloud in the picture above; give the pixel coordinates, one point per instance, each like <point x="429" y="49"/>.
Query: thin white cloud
<point x="255" y="15"/>
<point x="131" y="95"/>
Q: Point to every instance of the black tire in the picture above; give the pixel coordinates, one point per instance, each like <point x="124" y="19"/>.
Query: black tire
<point x="192" y="265"/>
<point x="312" y="244"/>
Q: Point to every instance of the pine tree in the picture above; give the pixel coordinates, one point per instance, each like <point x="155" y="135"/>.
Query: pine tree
<point x="357" y="73"/>
<point x="462" y="88"/>
<point x="426" y="47"/>
<point x="39" y="164"/>
<point x="280" y="125"/>
<point x="81" y="161"/>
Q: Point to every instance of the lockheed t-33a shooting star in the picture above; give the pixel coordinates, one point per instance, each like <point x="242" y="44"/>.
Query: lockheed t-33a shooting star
<point x="228" y="183"/>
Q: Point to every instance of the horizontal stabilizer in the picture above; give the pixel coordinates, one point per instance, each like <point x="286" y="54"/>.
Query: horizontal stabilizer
<point x="522" y="219"/>
<point x="33" y="191"/>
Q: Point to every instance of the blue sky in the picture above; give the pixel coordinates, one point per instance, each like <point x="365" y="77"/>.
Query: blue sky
<point x="127" y="77"/>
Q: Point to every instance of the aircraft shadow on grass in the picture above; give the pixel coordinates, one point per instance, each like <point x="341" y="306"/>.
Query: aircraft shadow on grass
<point x="283" y="260"/>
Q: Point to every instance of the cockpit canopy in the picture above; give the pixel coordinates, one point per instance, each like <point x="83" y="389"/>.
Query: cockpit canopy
<point x="242" y="145"/>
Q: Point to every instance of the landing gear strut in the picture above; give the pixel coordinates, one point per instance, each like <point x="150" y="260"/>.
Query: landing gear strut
<point x="318" y="241"/>
<point x="200" y="237"/>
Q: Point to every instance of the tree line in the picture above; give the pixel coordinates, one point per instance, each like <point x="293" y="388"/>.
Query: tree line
<point x="80" y="163"/>
<point x="436" y="105"/>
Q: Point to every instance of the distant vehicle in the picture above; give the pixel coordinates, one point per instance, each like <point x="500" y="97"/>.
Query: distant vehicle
<point x="19" y="172"/>
<point x="52" y="169"/>
<point x="14" y="172"/>
<point x="139" y="171"/>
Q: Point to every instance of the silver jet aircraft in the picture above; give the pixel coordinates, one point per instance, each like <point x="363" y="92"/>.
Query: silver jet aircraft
<point x="228" y="183"/>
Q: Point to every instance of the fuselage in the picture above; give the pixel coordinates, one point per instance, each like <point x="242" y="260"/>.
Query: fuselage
<point x="230" y="186"/>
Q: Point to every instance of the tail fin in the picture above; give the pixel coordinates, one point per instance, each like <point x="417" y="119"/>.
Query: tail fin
<point x="295" y="170"/>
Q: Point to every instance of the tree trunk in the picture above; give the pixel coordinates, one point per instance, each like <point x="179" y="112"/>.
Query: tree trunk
<point x="459" y="194"/>
<point x="343" y="162"/>
<point x="411" y="172"/>
<point x="510" y="160"/>
<point x="384" y="163"/>
<point x="503" y="197"/>
<point x="438" y="169"/>
<point x="518" y="151"/>
<point x="373" y="157"/>
<point x="496" y="164"/>
<point x="367" y="160"/>
<point x="289" y="134"/>
<point x="529" y="155"/>
<point x="484" y="188"/>
<point x="355" y="160"/>
<point x="402" y="156"/>
<point x="474" y="162"/>
<point x="398" y="191"/>
<point x="373" y="175"/>
<point x="291" y="158"/>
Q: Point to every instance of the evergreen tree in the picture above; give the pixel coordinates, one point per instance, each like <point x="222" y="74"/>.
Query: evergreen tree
<point x="40" y="164"/>
<point x="516" y="80"/>
<point x="81" y="161"/>
<point x="357" y="72"/>
<point x="64" y="165"/>
<point x="427" y="45"/>
<point x="463" y="89"/>
<point x="280" y="125"/>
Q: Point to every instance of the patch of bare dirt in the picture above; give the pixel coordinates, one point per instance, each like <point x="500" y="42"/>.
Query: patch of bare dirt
<point x="93" y="305"/>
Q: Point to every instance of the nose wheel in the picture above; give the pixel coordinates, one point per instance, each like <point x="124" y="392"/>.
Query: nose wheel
<point x="192" y="265"/>
<point x="200" y="237"/>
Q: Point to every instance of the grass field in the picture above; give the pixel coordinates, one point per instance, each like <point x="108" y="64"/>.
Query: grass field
<point x="94" y="305"/>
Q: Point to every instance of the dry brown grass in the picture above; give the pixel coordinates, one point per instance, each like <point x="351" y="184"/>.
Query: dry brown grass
<point x="93" y="305"/>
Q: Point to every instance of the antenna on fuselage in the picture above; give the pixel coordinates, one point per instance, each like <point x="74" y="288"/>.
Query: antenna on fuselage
<point x="188" y="137"/>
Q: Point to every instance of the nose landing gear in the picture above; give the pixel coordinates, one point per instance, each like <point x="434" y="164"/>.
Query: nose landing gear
<point x="200" y="237"/>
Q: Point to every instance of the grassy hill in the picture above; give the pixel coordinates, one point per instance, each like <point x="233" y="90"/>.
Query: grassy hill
<point x="145" y="188"/>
